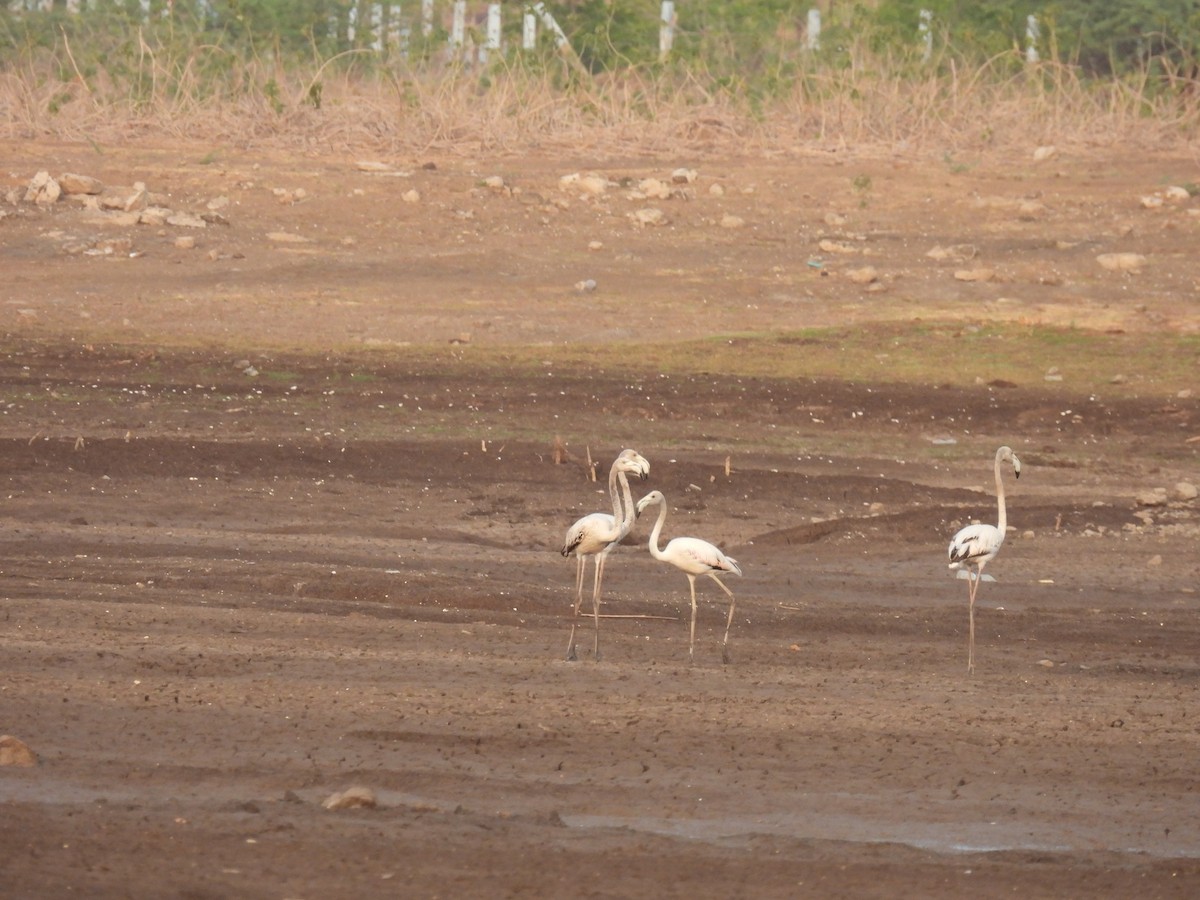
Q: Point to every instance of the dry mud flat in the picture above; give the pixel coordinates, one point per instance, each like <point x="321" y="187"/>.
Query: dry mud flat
<point x="227" y="597"/>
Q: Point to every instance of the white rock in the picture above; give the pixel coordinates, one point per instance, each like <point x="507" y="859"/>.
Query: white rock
<point x="716" y="190"/>
<point x="1121" y="262"/>
<point x="412" y="195"/>
<point x="72" y="184"/>
<point x="683" y="176"/>
<point x="286" y="237"/>
<point x="981" y="274"/>
<point x="494" y="183"/>
<point x="43" y="190"/>
<point x="1184" y="492"/>
<point x="649" y="216"/>
<point x="829" y="246"/>
<point x="1152" y="497"/>
<point x="654" y="189"/>
<point x="186" y="220"/>
<point x="732" y="221"/>
<point x="955" y="252"/>
<point x="865" y="275"/>
<point x="1151" y="201"/>
<point x="350" y="798"/>
<point x="1044" y="152"/>
<point x="1176" y="194"/>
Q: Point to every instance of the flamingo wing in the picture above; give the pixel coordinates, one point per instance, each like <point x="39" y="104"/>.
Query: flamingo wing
<point x="697" y="557"/>
<point x="591" y="534"/>
<point x="974" y="544"/>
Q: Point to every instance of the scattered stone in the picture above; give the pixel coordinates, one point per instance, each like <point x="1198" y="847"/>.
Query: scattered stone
<point x="494" y="183"/>
<point x="1052" y="374"/>
<point x="834" y="220"/>
<point x="1176" y="194"/>
<point x="716" y="190"/>
<point x="217" y="203"/>
<point x="351" y="798"/>
<point x="1119" y="379"/>
<point x="185" y="243"/>
<point x="1121" y="262"/>
<point x="1155" y="560"/>
<point x="154" y="216"/>
<point x="589" y="184"/>
<point x="1151" y="201"/>
<point x="72" y="184"/>
<point x="1046" y="663"/>
<point x="43" y="190"/>
<point x="586" y="286"/>
<point x="732" y="221"/>
<point x="683" y="176"/>
<point x="15" y="752"/>
<point x="1044" y="152"/>
<point x="595" y="245"/>
<point x="412" y="195"/>
<point x="1152" y="497"/>
<point x="286" y="237"/>
<point x="648" y="216"/>
<point x="865" y="275"/>
<point x="1184" y="492"/>
<point x="828" y="246"/>
<point x="367" y="165"/>
<point x="955" y="252"/>
<point x="981" y="274"/>
<point x="186" y="220"/>
<point x="653" y="189"/>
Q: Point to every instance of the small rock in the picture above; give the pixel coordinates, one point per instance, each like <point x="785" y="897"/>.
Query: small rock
<point x="865" y="275"/>
<point x="1151" y="201"/>
<point x="185" y="243"/>
<point x="732" y="221"/>
<point x="494" y="183"/>
<point x="1184" y="492"/>
<point x="217" y="203"/>
<point x="1152" y="497"/>
<point x="1121" y="262"/>
<point x="586" y="286"/>
<point x="1155" y="560"/>
<point x="683" y="176"/>
<point x="367" y="165"/>
<point x="72" y="184"/>
<point x="1119" y="379"/>
<point x="654" y="189"/>
<point x="1176" y="194"/>
<point x="43" y="190"/>
<point x="834" y="220"/>
<point x="1052" y="374"/>
<point x="982" y="274"/>
<point x="355" y="797"/>
<point x="1046" y="663"/>
<point x="15" y="752"/>
<point x="412" y="195"/>
<point x="186" y="220"/>
<point x="595" y="245"/>
<point x="1044" y="152"/>
<point x="286" y="237"/>
<point x="649" y="216"/>
<point x="828" y="246"/>
<point x="955" y="252"/>
<point x="716" y="190"/>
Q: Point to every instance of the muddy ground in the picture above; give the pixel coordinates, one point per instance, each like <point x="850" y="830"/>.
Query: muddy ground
<point x="254" y="551"/>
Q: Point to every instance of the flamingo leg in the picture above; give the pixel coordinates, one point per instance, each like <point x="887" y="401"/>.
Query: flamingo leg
<point x="728" y="619"/>
<point x="973" y="589"/>
<point x="692" y="638"/>
<point x="580" y="566"/>
<point x="596" y="600"/>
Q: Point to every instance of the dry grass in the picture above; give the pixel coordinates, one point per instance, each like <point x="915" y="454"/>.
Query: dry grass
<point x="866" y="101"/>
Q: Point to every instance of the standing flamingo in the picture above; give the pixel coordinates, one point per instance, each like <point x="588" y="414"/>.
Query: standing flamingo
<point x="977" y="545"/>
<point x="694" y="557"/>
<point x="598" y="534"/>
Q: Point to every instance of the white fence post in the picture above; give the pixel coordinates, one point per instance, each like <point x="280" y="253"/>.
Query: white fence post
<point x="1033" y="34"/>
<point x="812" y="35"/>
<point x="925" y="29"/>
<point x="528" y="30"/>
<point x="491" y="39"/>
<point x="458" y="24"/>
<point x="666" y="29"/>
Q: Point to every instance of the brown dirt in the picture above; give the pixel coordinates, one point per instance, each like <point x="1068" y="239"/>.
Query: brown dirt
<point x="227" y="596"/>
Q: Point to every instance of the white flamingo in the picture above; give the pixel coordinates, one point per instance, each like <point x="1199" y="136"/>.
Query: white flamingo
<point x="598" y="534"/>
<point x="977" y="545"/>
<point x="694" y="557"/>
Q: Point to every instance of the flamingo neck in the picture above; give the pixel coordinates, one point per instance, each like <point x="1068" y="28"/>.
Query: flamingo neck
<point x="613" y="475"/>
<point x="1002" y="525"/>
<point x="625" y="520"/>
<point x="657" y="530"/>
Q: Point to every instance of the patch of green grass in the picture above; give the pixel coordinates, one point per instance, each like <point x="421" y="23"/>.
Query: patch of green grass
<point x="916" y="353"/>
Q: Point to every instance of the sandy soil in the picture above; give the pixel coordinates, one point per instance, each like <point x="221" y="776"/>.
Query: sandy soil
<point x="255" y="552"/>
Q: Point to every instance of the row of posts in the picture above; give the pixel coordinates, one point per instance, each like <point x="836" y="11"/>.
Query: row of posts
<point x="385" y="28"/>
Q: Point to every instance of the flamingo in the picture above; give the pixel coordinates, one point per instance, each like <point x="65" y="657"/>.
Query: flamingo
<point x="977" y="545"/>
<point x="694" y="557"/>
<point x="598" y="534"/>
